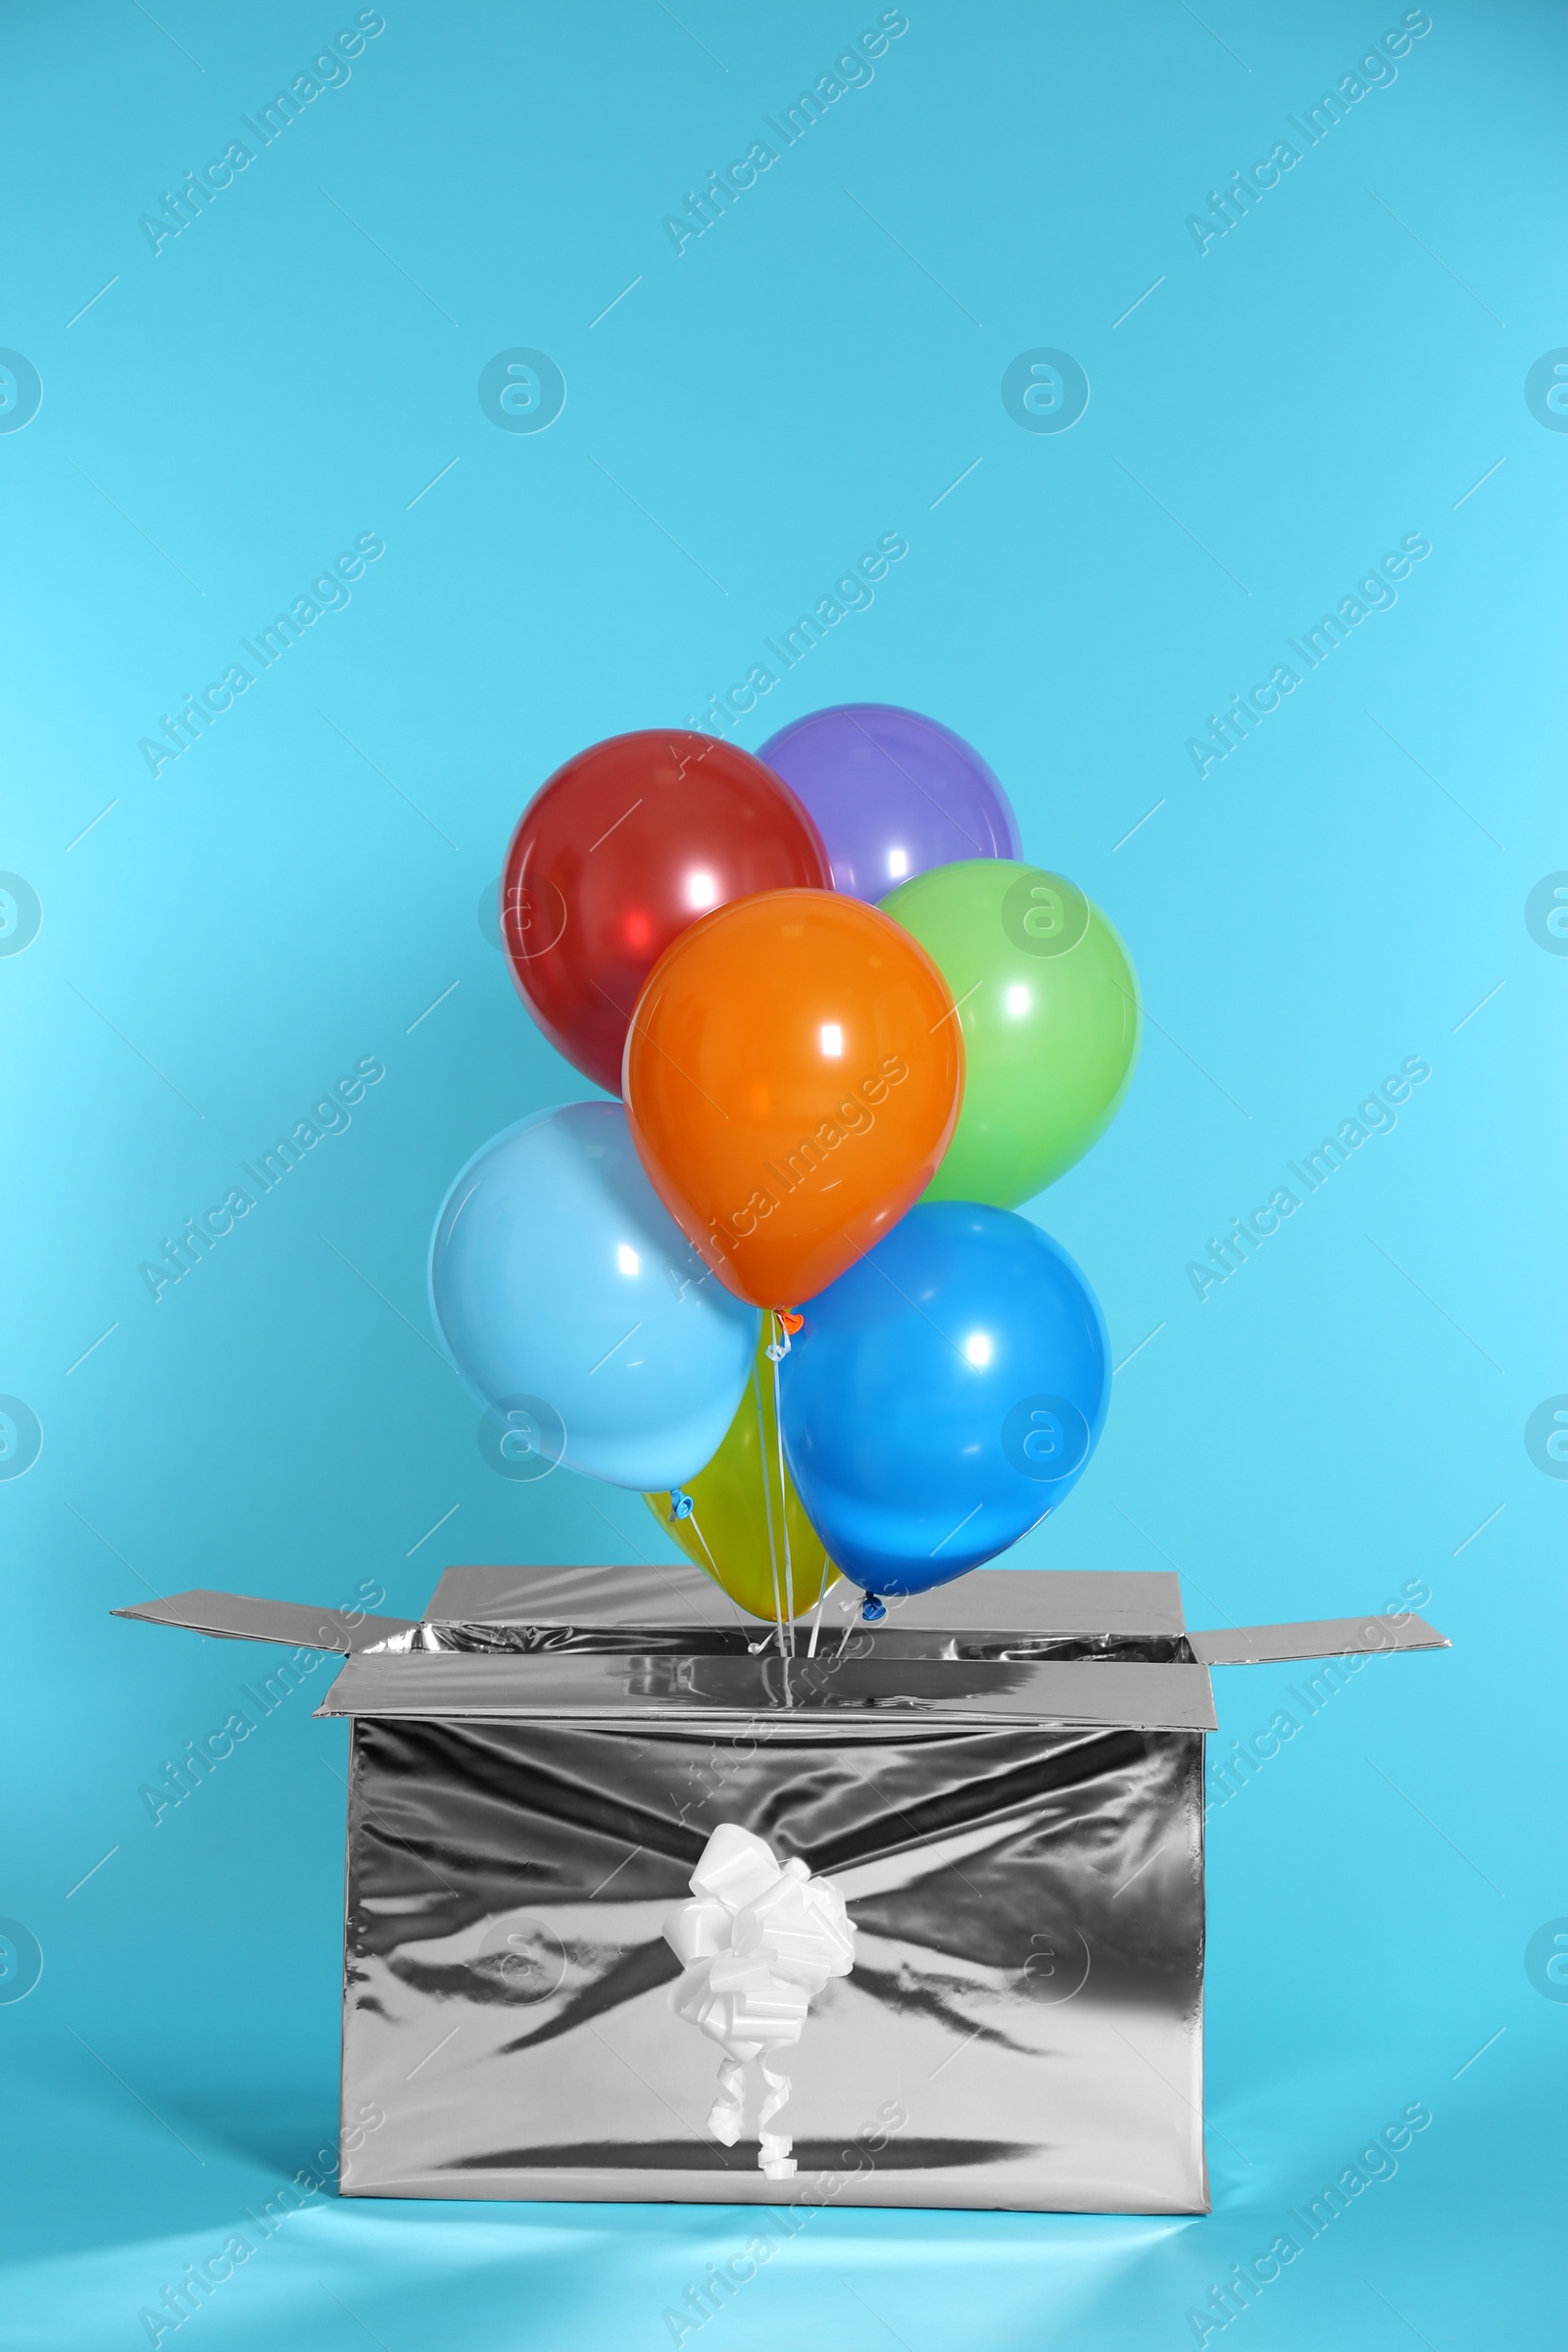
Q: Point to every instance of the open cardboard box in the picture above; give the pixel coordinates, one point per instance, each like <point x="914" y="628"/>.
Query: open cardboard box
<point x="1005" y="1781"/>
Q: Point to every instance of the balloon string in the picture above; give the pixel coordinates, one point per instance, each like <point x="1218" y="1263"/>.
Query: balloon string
<point x="768" y="1506"/>
<point x="696" y="1528"/>
<point x="816" y="1614"/>
<point x="783" y="1490"/>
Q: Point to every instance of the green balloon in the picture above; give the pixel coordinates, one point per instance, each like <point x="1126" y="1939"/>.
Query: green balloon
<point x="1051" y="1014"/>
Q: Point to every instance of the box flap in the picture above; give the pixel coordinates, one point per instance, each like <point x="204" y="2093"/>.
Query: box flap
<point x="815" y="1697"/>
<point x="1021" y="1600"/>
<point x="1320" y="1638"/>
<point x="239" y="1617"/>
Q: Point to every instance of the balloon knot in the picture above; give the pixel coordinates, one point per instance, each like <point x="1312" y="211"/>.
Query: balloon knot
<point x="681" y="1506"/>
<point x="873" y="1610"/>
<point x="788" y="1323"/>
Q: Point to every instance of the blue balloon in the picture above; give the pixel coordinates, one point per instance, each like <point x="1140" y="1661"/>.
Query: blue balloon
<point x="943" y="1395"/>
<point x="578" y="1313"/>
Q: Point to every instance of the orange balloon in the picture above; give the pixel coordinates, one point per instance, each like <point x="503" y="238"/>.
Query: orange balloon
<point x="793" y="1073"/>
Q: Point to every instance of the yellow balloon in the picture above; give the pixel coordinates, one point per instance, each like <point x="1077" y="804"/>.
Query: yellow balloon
<point x="736" y="1526"/>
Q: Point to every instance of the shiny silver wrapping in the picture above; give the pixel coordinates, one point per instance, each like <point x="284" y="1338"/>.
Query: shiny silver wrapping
<point x="1027" y="1985"/>
<point x="1004" y="1785"/>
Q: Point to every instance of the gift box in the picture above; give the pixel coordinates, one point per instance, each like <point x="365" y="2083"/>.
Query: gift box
<point x="622" y="1872"/>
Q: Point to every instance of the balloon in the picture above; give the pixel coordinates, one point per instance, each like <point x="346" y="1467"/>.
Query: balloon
<point x="734" y="1528"/>
<point x="892" y="793"/>
<point x="943" y="1395"/>
<point x="575" y="1312"/>
<point x="793" y="1074"/>
<point x="627" y="844"/>
<point x="1051" y="1014"/>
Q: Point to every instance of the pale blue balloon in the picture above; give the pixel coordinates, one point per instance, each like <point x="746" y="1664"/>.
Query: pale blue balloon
<point x="578" y="1313"/>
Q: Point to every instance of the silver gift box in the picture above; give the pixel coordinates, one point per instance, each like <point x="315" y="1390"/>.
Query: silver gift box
<point x="1004" y="1782"/>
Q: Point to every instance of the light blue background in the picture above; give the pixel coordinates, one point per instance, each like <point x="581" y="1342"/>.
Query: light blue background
<point x="1339" y="370"/>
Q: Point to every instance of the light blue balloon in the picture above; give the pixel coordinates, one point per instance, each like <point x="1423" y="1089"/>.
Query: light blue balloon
<point x="578" y="1313"/>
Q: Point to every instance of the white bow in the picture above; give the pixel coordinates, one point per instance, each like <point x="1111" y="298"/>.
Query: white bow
<point x="760" y="1941"/>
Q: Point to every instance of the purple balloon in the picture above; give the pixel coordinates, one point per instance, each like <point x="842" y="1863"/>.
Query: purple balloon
<point x="892" y="793"/>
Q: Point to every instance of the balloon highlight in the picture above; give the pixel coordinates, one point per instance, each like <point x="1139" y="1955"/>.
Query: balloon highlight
<point x="575" y="1311"/>
<point x="1051" y="1021"/>
<point x="943" y="1395"/>
<point x="792" y="1075"/>
<point x="625" y="847"/>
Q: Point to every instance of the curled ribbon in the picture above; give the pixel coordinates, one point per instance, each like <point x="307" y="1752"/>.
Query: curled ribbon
<point x="756" y="1945"/>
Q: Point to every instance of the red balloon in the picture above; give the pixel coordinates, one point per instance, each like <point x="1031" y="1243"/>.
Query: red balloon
<point x="623" y="847"/>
